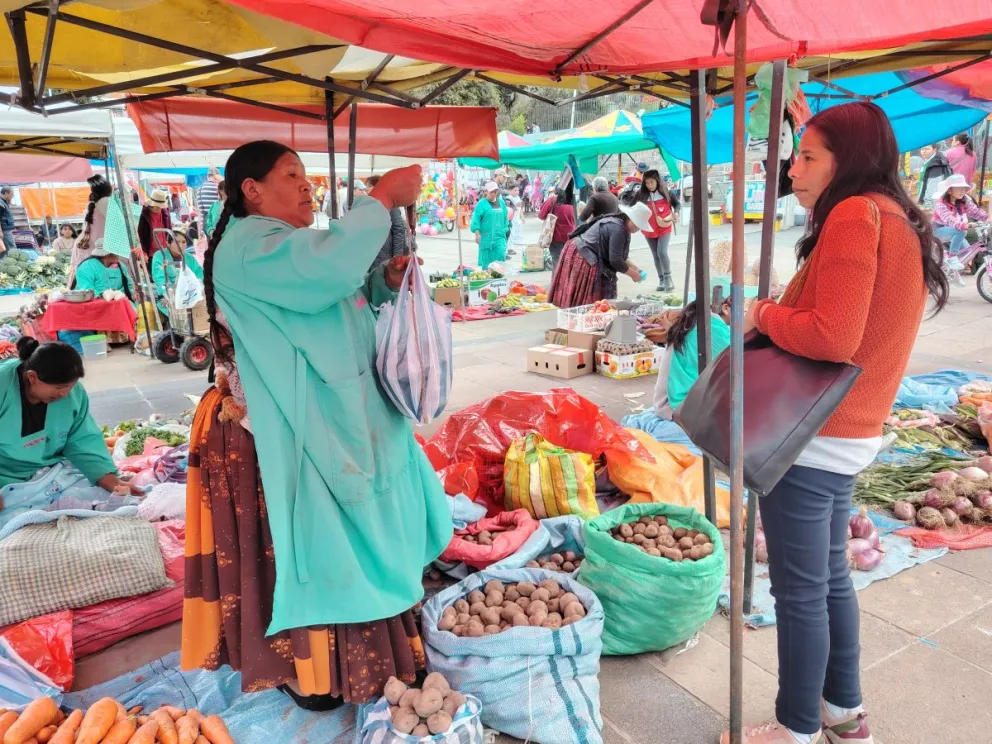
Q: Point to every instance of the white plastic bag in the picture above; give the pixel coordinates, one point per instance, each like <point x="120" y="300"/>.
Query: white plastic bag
<point x="189" y="289"/>
<point x="413" y="350"/>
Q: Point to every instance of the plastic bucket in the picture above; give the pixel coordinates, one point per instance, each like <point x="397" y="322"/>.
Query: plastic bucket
<point x="94" y="347"/>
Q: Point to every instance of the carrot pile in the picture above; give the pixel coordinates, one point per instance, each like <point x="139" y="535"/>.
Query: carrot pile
<point x="107" y="722"/>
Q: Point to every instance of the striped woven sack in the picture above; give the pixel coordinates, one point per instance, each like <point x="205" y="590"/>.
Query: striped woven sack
<point x="549" y="481"/>
<point x="413" y="350"/>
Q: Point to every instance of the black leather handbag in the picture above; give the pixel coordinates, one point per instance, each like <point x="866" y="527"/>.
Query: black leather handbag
<point x="787" y="400"/>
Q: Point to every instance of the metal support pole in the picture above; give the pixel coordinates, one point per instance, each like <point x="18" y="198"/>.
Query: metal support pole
<point x="137" y="255"/>
<point x="737" y="385"/>
<point x="352" y="144"/>
<point x="985" y="157"/>
<point x="333" y="175"/>
<point x="458" y="228"/>
<point x="688" y="260"/>
<point x="764" y="279"/>
<point x="700" y="241"/>
<point x="16" y="22"/>
<point x="46" y="47"/>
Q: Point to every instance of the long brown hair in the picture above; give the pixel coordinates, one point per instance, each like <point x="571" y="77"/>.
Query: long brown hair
<point x="253" y="160"/>
<point x="860" y="138"/>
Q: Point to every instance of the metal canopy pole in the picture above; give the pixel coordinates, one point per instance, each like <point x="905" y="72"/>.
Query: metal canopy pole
<point x="700" y="240"/>
<point x="352" y="145"/>
<point x="333" y="175"/>
<point x="985" y="157"/>
<point x="737" y="384"/>
<point x="688" y="259"/>
<point x="462" y="286"/>
<point x="772" y="166"/>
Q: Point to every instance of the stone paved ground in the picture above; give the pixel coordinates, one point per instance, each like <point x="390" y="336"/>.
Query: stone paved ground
<point x="926" y="633"/>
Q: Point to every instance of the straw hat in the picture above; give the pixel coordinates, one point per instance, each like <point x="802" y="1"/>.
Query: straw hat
<point x="158" y="198"/>
<point x="957" y="181"/>
<point x="639" y="213"/>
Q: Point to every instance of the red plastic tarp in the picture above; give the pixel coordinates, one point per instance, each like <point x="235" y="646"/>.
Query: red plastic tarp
<point x="18" y="169"/>
<point x="530" y="38"/>
<point x="172" y="124"/>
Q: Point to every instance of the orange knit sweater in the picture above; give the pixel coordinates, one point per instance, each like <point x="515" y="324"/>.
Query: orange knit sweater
<point x="862" y="302"/>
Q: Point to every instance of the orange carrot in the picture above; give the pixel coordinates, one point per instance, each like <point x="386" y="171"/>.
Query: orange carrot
<point x="6" y="721"/>
<point x="66" y="733"/>
<point x="45" y="735"/>
<point x="135" y="710"/>
<point x="145" y="734"/>
<point x="167" y="733"/>
<point x="97" y="721"/>
<point x="121" y="732"/>
<point x="142" y="720"/>
<point x="215" y="730"/>
<point x="174" y="713"/>
<point x="34" y="718"/>
<point x="201" y="739"/>
<point x="188" y="727"/>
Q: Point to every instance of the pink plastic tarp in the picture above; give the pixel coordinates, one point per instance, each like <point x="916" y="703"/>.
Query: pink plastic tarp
<point x="20" y="169"/>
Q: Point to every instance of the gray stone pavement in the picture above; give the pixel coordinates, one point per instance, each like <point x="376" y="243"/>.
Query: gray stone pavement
<point x="926" y="633"/>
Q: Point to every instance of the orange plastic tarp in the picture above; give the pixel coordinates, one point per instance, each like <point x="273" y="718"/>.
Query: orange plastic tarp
<point x="68" y="201"/>
<point x="175" y="124"/>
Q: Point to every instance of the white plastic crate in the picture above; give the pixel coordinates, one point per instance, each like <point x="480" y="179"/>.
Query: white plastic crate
<point x="577" y="319"/>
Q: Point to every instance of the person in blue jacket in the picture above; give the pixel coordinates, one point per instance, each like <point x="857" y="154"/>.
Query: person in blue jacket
<point x="44" y="420"/>
<point x="302" y="470"/>
<point x="101" y="271"/>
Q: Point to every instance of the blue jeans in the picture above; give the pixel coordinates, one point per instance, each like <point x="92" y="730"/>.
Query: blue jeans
<point x="805" y="520"/>
<point x="955" y="237"/>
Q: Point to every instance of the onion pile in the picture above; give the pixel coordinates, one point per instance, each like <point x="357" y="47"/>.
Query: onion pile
<point x="954" y="496"/>
<point x="864" y="548"/>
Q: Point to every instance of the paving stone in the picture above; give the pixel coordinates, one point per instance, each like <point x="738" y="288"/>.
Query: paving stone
<point x="969" y="638"/>
<point x="126" y="656"/>
<point x="925" y="598"/>
<point x="975" y="563"/>
<point x="648" y="708"/>
<point x="704" y="672"/>
<point x="923" y="695"/>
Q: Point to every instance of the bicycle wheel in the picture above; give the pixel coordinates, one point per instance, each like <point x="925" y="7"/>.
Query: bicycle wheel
<point x="984" y="282"/>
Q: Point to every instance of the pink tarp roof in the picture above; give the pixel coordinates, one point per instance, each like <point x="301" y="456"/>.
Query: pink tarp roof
<point x="530" y="38"/>
<point x="18" y="169"/>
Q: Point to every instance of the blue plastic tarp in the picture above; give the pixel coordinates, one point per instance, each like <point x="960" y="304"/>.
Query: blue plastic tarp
<point x="916" y="119"/>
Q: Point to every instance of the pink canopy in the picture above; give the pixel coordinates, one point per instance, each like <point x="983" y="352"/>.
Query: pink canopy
<point x="18" y="169"/>
<point x="529" y="38"/>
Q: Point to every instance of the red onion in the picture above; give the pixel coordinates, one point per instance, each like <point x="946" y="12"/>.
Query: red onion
<point x="950" y="517"/>
<point x="985" y="463"/>
<point x="858" y="545"/>
<point x="861" y="525"/>
<point x="874" y="540"/>
<point x="962" y="505"/>
<point x="983" y="499"/>
<point x="905" y="511"/>
<point x="761" y="553"/>
<point x="974" y="474"/>
<point x="934" y="498"/>
<point x="866" y="560"/>
<point x="945" y="478"/>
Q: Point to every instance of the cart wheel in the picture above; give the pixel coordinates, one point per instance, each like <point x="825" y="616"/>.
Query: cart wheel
<point x="984" y="281"/>
<point x="449" y="225"/>
<point x="197" y="353"/>
<point x="166" y="347"/>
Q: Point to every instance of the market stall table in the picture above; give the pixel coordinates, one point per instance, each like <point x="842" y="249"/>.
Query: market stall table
<point x="102" y="315"/>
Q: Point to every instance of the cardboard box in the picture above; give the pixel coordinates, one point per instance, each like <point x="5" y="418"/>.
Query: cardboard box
<point x="558" y="336"/>
<point x="628" y="366"/>
<point x="201" y="321"/>
<point x="585" y="339"/>
<point x="449" y="297"/>
<point x="563" y="362"/>
<point x="481" y="290"/>
<point x="532" y="258"/>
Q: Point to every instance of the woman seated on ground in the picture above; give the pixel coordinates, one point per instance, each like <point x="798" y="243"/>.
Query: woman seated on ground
<point x="103" y="271"/>
<point x="953" y="211"/>
<point x="45" y="419"/>
<point x="679" y="368"/>
<point x="165" y="269"/>
<point x="335" y="508"/>
<point x="595" y="254"/>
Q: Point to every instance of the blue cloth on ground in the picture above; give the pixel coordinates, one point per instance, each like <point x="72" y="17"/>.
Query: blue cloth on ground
<point x="44" y="517"/>
<point x="553" y="535"/>
<point x="934" y="392"/>
<point x="252" y="718"/>
<point x="47" y="487"/>
<point x="661" y="429"/>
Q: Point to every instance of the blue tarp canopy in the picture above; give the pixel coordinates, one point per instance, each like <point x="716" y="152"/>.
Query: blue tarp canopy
<point x="916" y="119"/>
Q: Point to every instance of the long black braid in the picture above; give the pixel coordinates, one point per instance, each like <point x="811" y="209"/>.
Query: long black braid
<point x="99" y="188"/>
<point x="254" y="161"/>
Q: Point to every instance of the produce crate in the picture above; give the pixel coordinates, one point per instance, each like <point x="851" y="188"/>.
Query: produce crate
<point x="577" y="319"/>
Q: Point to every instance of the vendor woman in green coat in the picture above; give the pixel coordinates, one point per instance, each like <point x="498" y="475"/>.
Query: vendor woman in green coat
<point x="490" y="225"/>
<point x="165" y="269"/>
<point x="45" y="419"/>
<point x="103" y="271"/>
<point x="333" y="511"/>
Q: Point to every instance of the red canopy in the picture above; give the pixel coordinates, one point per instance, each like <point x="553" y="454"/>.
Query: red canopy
<point x="528" y="38"/>
<point x="172" y="124"/>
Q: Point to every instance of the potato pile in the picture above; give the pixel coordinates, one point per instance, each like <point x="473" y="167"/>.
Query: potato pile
<point x="501" y="607"/>
<point x="655" y="537"/>
<point x="485" y="537"/>
<point x="566" y="562"/>
<point x="424" y="712"/>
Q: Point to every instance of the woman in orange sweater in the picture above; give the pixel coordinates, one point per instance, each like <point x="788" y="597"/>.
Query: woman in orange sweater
<point x="866" y="266"/>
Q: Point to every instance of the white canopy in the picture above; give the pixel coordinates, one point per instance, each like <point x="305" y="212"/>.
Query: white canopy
<point x="80" y="133"/>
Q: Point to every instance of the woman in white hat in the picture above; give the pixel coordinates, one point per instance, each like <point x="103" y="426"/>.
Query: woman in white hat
<point x="102" y="271"/>
<point x="489" y="222"/>
<point x="154" y="216"/>
<point x="952" y="211"/>
<point x="595" y="254"/>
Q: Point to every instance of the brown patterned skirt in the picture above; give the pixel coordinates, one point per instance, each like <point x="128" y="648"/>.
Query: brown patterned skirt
<point x="230" y="578"/>
<point x="575" y="282"/>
